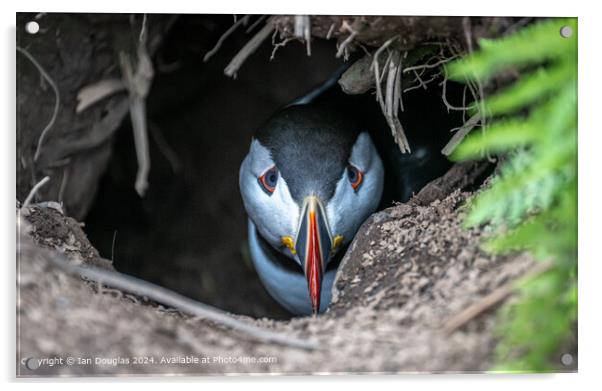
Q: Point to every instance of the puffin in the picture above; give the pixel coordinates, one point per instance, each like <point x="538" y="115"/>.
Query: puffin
<point x="311" y="178"/>
<point x="315" y="171"/>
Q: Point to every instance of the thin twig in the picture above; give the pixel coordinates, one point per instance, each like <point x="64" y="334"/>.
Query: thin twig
<point x="225" y="35"/>
<point x="472" y="122"/>
<point x="462" y="131"/>
<point x="113" y="246"/>
<point x="184" y="304"/>
<point x="426" y="83"/>
<point x="429" y="66"/>
<point x="497" y="296"/>
<point x="422" y="84"/>
<point x="248" y="49"/>
<point x="481" y="101"/>
<point x="330" y="31"/>
<point x="142" y="35"/>
<point x="34" y="190"/>
<point x="57" y="100"/>
<point x="468" y="35"/>
<point x="448" y="105"/>
<point x="256" y="23"/>
<point x="471" y="87"/>
<point x="348" y="40"/>
<point x="278" y="45"/>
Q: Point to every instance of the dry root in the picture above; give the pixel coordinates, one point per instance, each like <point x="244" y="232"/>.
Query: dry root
<point x="248" y="49"/>
<point x="303" y="30"/>
<point x="34" y="191"/>
<point x="138" y="84"/>
<point x="57" y="100"/>
<point x="391" y="101"/>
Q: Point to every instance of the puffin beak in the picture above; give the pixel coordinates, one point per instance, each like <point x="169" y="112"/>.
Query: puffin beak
<point x="313" y="245"/>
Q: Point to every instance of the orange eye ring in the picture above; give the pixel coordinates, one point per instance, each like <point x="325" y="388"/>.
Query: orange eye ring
<point x="268" y="180"/>
<point x="355" y="176"/>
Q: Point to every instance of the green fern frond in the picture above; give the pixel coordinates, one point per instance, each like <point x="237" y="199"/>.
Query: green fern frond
<point x="530" y="46"/>
<point x="529" y="89"/>
<point x="497" y="138"/>
<point x="531" y="204"/>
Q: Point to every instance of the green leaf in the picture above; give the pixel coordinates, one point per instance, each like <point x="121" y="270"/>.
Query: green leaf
<point x="531" y="204"/>
<point x="532" y="45"/>
<point x="497" y="138"/>
<point x="528" y="89"/>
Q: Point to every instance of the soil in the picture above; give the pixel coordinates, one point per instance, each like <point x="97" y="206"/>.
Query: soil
<point x="410" y="268"/>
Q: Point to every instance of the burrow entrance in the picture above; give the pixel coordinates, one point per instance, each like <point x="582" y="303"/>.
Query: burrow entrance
<point x="189" y="231"/>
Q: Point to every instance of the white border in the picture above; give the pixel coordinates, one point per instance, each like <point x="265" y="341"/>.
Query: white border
<point x="590" y="271"/>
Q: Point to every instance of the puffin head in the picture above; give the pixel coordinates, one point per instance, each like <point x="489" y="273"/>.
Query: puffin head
<point x="310" y="179"/>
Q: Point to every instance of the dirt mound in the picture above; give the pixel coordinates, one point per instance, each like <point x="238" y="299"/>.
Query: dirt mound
<point x="410" y="269"/>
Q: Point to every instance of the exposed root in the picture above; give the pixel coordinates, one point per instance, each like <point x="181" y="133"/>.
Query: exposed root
<point x="477" y="93"/>
<point x="421" y="69"/>
<point x="330" y="31"/>
<point x="138" y="84"/>
<point x="342" y="49"/>
<point x="391" y="101"/>
<point x="93" y="93"/>
<point x="467" y="27"/>
<point x="248" y="49"/>
<point x="378" y="76"/>
<point x="143" y="33"/>
<point x="461" y="132"/>
<point x="303" y="30"/>
<point x="488" y="302"/>
<point x="277" y="45"/>
<point x="256" y="23"/>
<point x="429" y="66"/>
<point x="113" y="246"/>
<point x="448" y="105"/>
<point x="57" y="100"/>
<point x="225" y="35"/>
<point x="34" y="190"/>
<point x="140" y="288"/>
<point x="422" y="83"/>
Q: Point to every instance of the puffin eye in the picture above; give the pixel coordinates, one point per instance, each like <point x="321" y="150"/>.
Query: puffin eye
<point x="355" y="177"/>
<point x="268" y="180"/>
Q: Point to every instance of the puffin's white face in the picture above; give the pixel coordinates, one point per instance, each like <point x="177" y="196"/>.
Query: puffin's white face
<point x="303" y="209"/>
<point x="274" y="214"/>
<point x="277" y="216"/>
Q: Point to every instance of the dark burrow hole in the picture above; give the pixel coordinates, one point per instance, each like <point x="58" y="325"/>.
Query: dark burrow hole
<point x="189" y="231"/>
